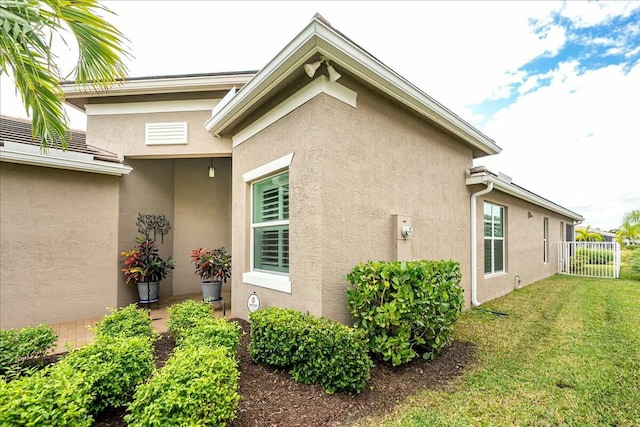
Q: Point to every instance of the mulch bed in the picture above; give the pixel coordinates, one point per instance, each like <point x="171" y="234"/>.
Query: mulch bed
<point x="271" y="398"/>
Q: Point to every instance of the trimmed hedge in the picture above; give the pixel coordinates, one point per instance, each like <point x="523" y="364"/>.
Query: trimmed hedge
<point x="316" y="350"/>
<point x="406" y="308"/>
<point x="197" y="386"/>
<point x="125" y="323"/>
<point x="112" y="367"/>
<point x="20" y="345"/>
<point x="53" y="396"/>
<point x="213" y="333"/>
<point x="186" y="315"/>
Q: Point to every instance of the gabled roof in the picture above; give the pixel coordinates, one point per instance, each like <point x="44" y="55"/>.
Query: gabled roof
<point x="78" y="96"/>
<point x="17" y="145"/>
<point x="319" y="38"/>
<point x="481" y="175"/>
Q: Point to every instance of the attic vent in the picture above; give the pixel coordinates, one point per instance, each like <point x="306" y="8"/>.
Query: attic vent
<point x="166" y="133"/>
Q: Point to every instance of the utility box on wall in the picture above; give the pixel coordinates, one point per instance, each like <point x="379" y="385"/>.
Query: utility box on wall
<point x="402" y="232"/>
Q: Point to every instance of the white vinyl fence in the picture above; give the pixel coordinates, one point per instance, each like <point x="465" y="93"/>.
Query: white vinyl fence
<point x="592" y="259"/>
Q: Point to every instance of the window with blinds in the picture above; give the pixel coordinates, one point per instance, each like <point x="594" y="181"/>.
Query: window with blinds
<point x="270" y="223"/>
<point x="493" y="238"/>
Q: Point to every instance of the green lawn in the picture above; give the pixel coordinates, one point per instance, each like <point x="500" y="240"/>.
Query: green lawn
<point x="567" y="354"/>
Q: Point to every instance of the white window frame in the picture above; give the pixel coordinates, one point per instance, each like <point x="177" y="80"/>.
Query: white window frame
<point x="545" y="240"/>
<point x="493" y="238"/>
<point x="266" y="279"/>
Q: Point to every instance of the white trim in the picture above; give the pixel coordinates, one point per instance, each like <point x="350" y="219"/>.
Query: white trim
<point x="319" y="38"/>
<point x="151" y="107"/>
<point x="520" y="193"/>
<point x="30" y="155"/>
<point x="163" y="84"/>
<point x="271" y="167"/>
<point x="276" y="282"/>
<point x="308" y="92"/>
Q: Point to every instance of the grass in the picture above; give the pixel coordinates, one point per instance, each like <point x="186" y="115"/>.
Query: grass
<point x="568" y="354"/>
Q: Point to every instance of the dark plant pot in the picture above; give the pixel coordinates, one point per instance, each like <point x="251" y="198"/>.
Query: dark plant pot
<point x="211" y="291"/>
<point x="148" y="292"/>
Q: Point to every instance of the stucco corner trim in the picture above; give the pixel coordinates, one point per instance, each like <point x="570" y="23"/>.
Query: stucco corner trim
<point x="317" y="86"/>
<point x="266" y="280"/>
<point x="266" y="169"/>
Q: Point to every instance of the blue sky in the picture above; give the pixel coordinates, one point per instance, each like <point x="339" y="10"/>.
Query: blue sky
<point x="555" y="84"/>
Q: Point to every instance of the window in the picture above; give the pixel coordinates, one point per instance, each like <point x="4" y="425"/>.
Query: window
<point x="270" y="224"/>
<point x="493" y="238"/>
<point x="545" y="240"/>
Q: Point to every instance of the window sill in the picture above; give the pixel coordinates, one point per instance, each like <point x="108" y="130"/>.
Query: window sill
<point x="492" y="275"/>
<point x="276" y="282"/>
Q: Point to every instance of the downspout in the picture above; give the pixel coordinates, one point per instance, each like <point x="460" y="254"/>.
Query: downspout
<point x="474" y="255"/>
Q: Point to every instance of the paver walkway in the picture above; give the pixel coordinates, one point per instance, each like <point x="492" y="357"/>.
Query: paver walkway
<point x="73" y="335"/>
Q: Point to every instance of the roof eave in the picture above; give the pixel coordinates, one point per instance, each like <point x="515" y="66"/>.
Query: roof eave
<point x="319" y="38"/>
<point x="520" y="193"/>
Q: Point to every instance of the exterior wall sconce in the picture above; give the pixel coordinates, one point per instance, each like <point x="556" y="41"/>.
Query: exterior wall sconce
<point x="212" y="171"/>
<point x="312" y="67"/>
<point x="529" y="214"/>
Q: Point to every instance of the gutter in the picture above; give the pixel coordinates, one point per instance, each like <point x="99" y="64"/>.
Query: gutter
<point x="474" y="239"/>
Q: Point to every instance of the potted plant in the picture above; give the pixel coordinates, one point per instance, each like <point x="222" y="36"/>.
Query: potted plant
<point x="145" y="268"/>
<point x="214" y="268"/>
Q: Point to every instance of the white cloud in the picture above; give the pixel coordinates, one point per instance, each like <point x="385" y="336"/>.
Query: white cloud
<point x="574" y="141"/>
<point x="589" y="13"/>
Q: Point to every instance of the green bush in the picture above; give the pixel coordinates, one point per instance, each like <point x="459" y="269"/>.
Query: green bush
<point x="275" y="335"/>
<point x="406" y="308"/>
<point x="20" y="345"/>
<point x="315" y="350"/>
<point x="213" y="332"/>
<point x="197" y="386"/>
<point x="186" y="315"/>
<point x="125" y="323"/>
<point x="634" y="261"/>
<point x="595" y="256"/>
<point x="334" y="356"/>
<point x="53" y="396"/>
<point x="112" y="367"/>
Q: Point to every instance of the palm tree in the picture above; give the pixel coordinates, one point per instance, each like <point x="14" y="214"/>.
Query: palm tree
<point x="586" y="235"/>
<point x="26" y="31"/>
<point x="629" y="231"/>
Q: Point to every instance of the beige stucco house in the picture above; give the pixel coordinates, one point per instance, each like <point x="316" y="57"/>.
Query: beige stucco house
<point x="322" y="159"/>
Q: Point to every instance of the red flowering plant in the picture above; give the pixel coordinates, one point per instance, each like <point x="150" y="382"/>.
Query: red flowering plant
<point x="143" y="263"/>
<point x="212" y="265"/>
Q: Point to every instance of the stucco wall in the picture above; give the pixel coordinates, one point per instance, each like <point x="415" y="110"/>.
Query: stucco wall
<point x="202" y="216"/>
<point x="524" y="245"/>
<point x="148" y="189"/>
<point x="379" y="160"/>
<point x="58" y="245"/>
<point x="300" y="132"/>
<point x="352" y="170"/>
<point x="125" y="134"/>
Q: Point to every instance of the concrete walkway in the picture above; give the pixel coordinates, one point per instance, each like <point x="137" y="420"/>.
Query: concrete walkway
<point x="73" y="335"/>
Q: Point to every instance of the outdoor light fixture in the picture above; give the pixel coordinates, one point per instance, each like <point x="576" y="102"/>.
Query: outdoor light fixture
<point x="212" y="171"/>
<point x="312" y="67"/>
<point x="333" y="74"/>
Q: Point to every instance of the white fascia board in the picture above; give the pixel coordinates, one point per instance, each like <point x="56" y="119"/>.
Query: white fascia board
<point x="318" y="38"/>
<point x="308" y="92"/>
<point x="150" y="107"/>
<point x="520" y="193"/>
<point x="293" y="56"/>
<point x="27" y="157"/>
<point x="159" y="85"/>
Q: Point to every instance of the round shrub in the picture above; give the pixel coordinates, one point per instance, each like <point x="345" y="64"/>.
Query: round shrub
<point x="406" y="308"/>
<point x="184" y="316"/>
<point x="125" y="323"/>
<point x="112" y="368"/>
<point x="53" y="396"/>
<point x="20" y="345"/>
<point x="197" y="386"/>
<point x="213" y="333"/>
<point x="275" y="335"/>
